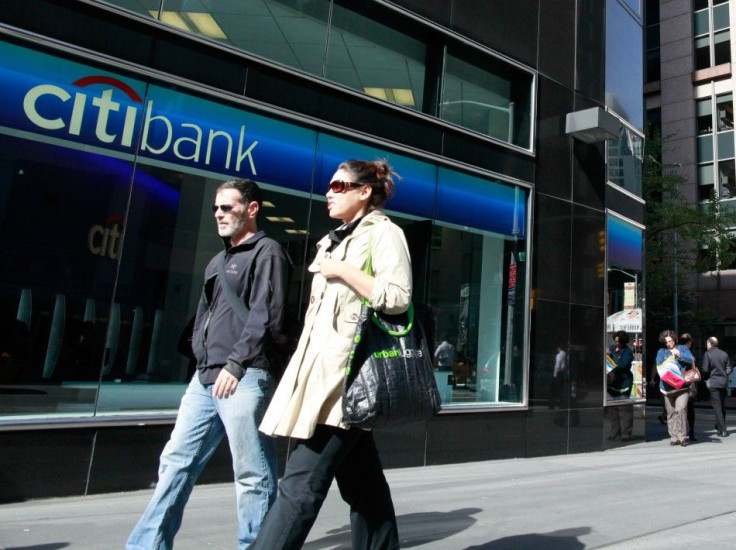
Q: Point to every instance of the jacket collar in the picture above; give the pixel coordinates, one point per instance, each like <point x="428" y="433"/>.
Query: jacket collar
<point x="247" y="245"/>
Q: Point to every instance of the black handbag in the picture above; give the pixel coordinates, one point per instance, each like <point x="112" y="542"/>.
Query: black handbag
<point x="389" y="378"/>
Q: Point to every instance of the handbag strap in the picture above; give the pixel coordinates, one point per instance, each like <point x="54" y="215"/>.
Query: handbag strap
<point x="375" y="317"/>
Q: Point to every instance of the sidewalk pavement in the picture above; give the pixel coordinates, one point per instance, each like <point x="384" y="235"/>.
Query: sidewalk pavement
<point x="646" y="495"/>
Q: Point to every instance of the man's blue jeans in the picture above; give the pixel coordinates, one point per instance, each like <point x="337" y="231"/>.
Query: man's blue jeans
<point x="201" y="423"/>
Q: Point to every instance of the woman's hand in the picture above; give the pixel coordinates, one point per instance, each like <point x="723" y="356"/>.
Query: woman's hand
<point x="330" y="268"/>
<point x="675" y="352"/>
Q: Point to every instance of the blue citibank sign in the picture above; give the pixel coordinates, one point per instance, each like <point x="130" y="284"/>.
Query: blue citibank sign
<point x="66" y="103"/>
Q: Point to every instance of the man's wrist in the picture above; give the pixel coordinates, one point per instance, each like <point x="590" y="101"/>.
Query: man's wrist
<point x="234" y="368"/>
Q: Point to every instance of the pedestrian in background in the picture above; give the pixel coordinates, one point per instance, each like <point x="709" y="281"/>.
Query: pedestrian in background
<point x="675" y="400"/>
<point x="716" y="368"/>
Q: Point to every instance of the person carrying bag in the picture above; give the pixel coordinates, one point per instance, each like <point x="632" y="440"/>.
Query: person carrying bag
<point x="308" y="402"/>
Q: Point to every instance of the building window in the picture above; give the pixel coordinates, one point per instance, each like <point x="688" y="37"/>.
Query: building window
<point x="488" y="96"/>
<point x="715" y="151"/>
<point x="373" y="58"/>
<point x="711" y="29"/>
<point x="346" y="42"/>
<point x="653" y="67"/>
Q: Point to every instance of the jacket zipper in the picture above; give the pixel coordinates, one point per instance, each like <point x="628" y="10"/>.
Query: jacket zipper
<point x="204" y="333"/>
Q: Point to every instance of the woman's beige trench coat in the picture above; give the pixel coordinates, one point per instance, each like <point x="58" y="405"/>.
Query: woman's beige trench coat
<point x="310" y="391"/>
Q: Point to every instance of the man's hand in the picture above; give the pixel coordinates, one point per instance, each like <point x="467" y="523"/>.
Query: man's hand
<point x="225" y="385"/>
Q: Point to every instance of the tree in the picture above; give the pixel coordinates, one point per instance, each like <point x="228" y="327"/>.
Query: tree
<point x="681" y="239"/>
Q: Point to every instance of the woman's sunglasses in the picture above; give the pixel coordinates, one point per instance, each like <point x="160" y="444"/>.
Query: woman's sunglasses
<point x="339" y="186"/>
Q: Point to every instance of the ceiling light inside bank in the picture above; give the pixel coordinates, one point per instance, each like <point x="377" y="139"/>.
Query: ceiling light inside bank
<point x="192" y="21"/>
<point x="402" y="96"/>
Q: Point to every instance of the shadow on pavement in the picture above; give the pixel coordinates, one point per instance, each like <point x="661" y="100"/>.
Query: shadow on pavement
<point x="565" y="539"/>
<point x="414" y="529"/>
<point x="50" y="546"/>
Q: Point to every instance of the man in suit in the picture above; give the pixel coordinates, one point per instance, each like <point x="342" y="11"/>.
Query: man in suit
<point x="716" y="368"/>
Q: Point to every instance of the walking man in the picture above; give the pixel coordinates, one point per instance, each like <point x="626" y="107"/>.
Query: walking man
<point x="233" y="385"/>
<point x="716" y="368"/>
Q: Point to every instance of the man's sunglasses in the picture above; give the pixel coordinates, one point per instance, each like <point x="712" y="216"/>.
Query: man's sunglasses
<point x="224" y="207"/>
<point x="339" y="186"/>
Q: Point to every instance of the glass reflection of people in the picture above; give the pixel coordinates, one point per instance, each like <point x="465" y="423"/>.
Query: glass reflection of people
<point x="445" y="354"/>
<point x="687" y="340"/>
<point x="619" y="382"/>
<point x="675" y="400"/>
<point x="559" y="377"/>
<point x="307" y="405"/>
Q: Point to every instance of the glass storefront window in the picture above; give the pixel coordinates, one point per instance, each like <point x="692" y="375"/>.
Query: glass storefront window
<point x="99" y="287"/>
<point x="477" y="317"/>
<point x="478" y="290"/>
<point x="489" y="97"/>
<point x="625" y="315"/>
<point x="58" y="274"/>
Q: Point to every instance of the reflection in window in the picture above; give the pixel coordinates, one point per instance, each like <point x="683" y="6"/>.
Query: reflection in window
<point x="490" y="98"/>
<point x="371" y="57"/>
<point x="624" y="160"/>
<point x="624" y="299"/>
<point x="157" y="296"/>
<point x="55" y="296"/>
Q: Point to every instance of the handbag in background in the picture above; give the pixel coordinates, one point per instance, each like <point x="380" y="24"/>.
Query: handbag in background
<point x="693" y="375"/>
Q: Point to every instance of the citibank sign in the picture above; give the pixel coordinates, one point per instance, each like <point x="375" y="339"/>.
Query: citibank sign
<point x="160" y="135"/>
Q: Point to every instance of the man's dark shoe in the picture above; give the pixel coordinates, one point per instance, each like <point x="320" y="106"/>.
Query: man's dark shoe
<point x="723" y="434"/>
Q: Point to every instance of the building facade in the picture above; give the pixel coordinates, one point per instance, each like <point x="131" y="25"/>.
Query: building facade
<point x="516" y="127"/>
<point x="689" y="98"/>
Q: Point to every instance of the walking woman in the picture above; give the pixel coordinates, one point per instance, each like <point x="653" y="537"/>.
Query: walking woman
<point x="307" y="405"/>
<point x="675" y="400"/>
